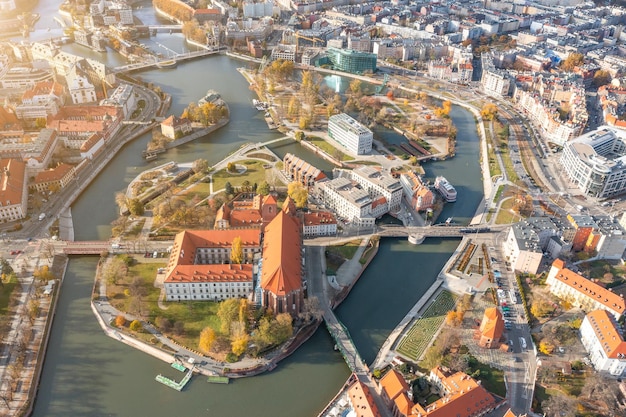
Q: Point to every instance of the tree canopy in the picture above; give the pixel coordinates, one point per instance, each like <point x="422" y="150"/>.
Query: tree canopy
<point x="298" y="193"/>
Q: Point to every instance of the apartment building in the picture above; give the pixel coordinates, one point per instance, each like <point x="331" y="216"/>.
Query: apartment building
<point x="297" y="169"/>
<point x="13" y="190"/>
<point x="349" y="203"/>
<point x="378" y="184"/>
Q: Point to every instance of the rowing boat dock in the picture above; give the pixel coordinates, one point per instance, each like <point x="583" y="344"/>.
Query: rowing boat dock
<point x="178" y="386"/>
<point x="215" y="379"/>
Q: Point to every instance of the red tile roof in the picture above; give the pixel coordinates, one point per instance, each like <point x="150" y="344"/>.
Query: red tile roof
<point x="282" y="256"/>
<point x="12" y="185"/>
<point x="610" y="339"/>
<point x="54" y="174"/>
<point x="211" y="273"/>
<point x="393" y="384"/>
<point x="362" y="401"/>
<point x="492" y="325"/>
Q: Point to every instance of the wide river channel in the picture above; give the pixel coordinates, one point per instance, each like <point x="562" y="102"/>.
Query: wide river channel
<point x="89" y="374"/>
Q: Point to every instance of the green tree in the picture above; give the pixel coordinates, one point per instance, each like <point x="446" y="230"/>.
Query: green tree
<point x="299" y="136"/>
<point x="136" y="207"/>
<point x="263" y="188"/>
<point x="236" y="251"/>
<point x="228" y="189"/>
<point x="207" y="338"/>
<point x="135" y="326"/>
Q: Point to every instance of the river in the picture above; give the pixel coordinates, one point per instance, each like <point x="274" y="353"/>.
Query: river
<point x="89" y="374"/>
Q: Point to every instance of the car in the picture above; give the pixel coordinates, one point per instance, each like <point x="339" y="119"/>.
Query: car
<point x="16" y="252"/>
<point x="506" y="308"/>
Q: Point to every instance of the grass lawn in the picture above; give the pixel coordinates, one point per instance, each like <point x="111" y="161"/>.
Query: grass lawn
<point x="492" y="379"/>
<point x="504" y="214"/>
<point x="195" y="314"/>
<point x="5" y="294"/>
<point x="328" y="148"/>
<point x="347" y="250"/>
<point x="255" y="173"/>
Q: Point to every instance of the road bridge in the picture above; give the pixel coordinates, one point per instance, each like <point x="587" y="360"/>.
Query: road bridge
<point x="139" y="66"/>
<point x="390" y="230"/>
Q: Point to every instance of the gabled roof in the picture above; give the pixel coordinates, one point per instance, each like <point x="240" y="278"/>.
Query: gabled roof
<point x="362" y="401"/>
<point x="282" y="256"/>
<point x="54" y="174"/>
<point x="12" y="177"/>
<point x="403" y="404"/>
<point x="607" y="334"/>
<point x="492" y="325"/>
<point x="393" y="384"/>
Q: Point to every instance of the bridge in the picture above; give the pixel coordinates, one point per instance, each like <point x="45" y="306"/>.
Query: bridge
<point x="156" y="28"/>
<point x="139" y="66"/>
<point x="391" y="230"/>
<point x="344" y="343"/>
<point x="96" y="247"/>
<point x="84" y="247"/>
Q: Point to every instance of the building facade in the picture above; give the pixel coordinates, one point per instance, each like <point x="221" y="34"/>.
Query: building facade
<point x="596" y="162"/>
<point x="377" y="184"/>
<point x="582" y="292"/>
<point x="351" y="134"/>
<point x="297" y="169"/>
<point x="601" y="337"/>
<point x="13" y="190"/>
<point x="351" y="61"/>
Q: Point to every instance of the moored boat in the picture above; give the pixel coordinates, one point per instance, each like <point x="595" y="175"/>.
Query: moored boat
<point x="447" y="191"/>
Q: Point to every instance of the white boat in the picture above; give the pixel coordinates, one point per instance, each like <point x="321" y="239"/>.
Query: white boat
<point x="447" y="191"/>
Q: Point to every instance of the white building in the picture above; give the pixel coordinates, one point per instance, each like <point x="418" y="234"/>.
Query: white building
<point x="41" y="101"/>
<point x="200" y="267"/>
<point x="526" y="242"/>
<point x="80" y="89"/>
<point x="601" y="337"/>
<point x="378" y="184"/>
<point x="349" y="203"/>
<point x="261" y="8"/>
<point x="124" y="97"/>
<point x="285" y="52"/>
<point x="318" y="223"/>
<point x="581" y="292"/>
<point x="596" y="162"/>
<point x="350" y="134"/>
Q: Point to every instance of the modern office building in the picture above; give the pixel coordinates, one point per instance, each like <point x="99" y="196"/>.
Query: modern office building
<point x="596" y="162"/>
<point x="351" y="204"/>
<point x="352" y="61"/>
<point x="351" y="134"/>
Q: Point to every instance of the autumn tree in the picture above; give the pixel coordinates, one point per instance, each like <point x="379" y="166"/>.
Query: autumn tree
<point x="573" y="60"/>
<point x="541" y="308"/>
<point x="546" y="346"/>
<point x="120" y="321"/>
<point x="228" y="312"/>
<point x="135" y="326"/>
<point x="298" y="193"/>
<point x="299" y="136"/>
<point x="489" y="111"/>
<point x="43" y="274"/>
<point x="239" y="344"/>
<point x="600" y="78"/>
<point x="207" y="339"/>
<point x="200" y="165"/>
<point x="236" y="251"/>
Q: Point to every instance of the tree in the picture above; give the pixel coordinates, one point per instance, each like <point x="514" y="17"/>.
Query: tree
<point x="163" y="324"/>
<point x="228" y="311"/>
<point x="236" y="251"/>
<point x="200" y="165"/>
<point x="451" y="318"/>
<point x="40" y="122"/>
<point x="298" y="193"/>
<point x="231" y="167"/>
<point x="541" y="308"/>
<point x="179" y="328"/>
<point x="263" y="188"/>
<point x="43" y="274"/>
<point x="413" y="160"/>
<point x="572" y="61"/>
<point x="120" y="321"/>
<point x="135" y="326"/>
<point x="489" y="111"/>
<point x="228" y="189"/>
<point x="600" y="78"/>
<point x="33" y="309"/>
<point x="207" y="338"/>
<point x="240" y="344"/>
<point x="136" y="207"/>
<point x="299" y="136"/>
<point x="546" y="347"/>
